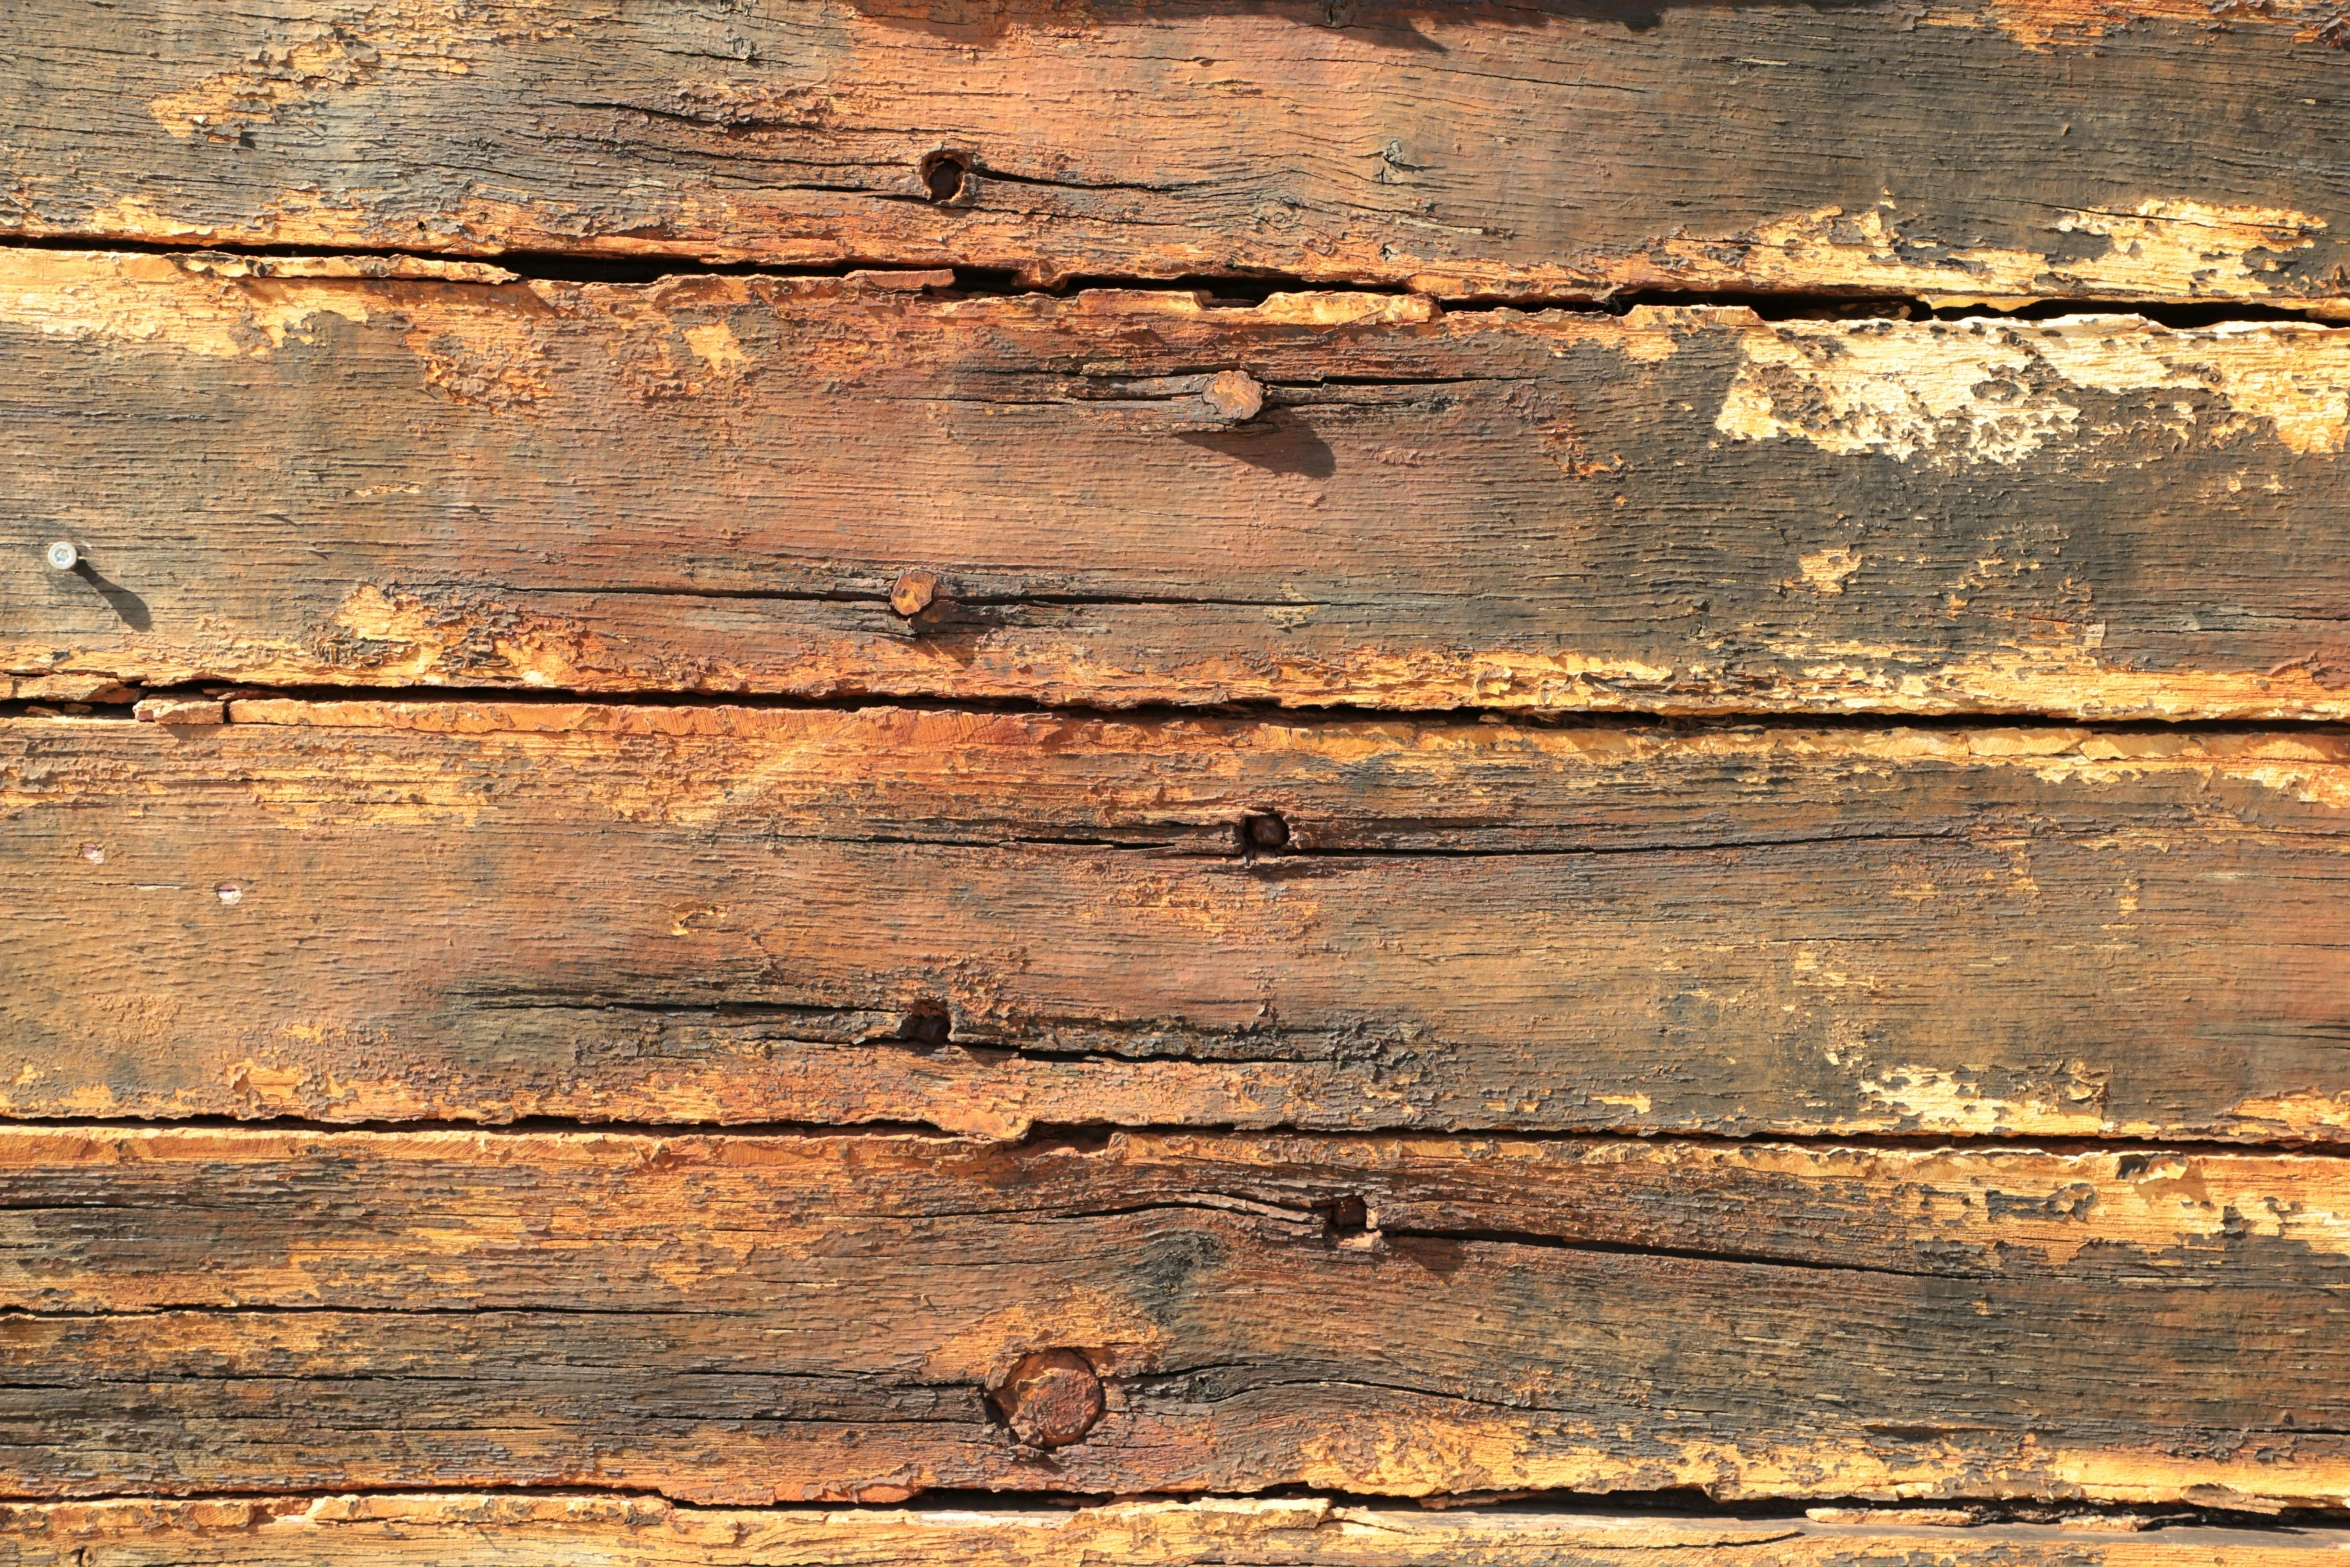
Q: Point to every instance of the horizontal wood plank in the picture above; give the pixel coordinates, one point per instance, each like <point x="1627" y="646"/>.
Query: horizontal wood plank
<point x="716" y="484"/>
<point x="751" y="1318"/>
<point x="557" y="1531"/>
<point x="985" y="921"/>
<point x="2137" y="149"/>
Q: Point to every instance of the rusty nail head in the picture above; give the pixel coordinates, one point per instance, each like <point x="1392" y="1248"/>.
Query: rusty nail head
<point x="1051" y="1399"/>
<point x="62" y="555"/>
<point x="1235" y="395"/>
<point x="914" y="592"/>
<point x="1266" y="831"/>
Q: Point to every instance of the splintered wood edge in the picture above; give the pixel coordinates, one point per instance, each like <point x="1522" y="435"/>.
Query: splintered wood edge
<point x="541" y="1528"/>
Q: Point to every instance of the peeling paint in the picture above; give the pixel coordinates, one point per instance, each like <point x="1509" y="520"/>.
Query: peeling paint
<point x="2165" y="248"/>
<point x="350" y="45"/>
<point x="1939" y="1101"/>
<point x="1969" y="392"/>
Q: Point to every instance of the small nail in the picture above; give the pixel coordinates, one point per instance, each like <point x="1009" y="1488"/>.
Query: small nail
<point x="1051" y="1399"/>
<point x="1263" y="833"/>
<point x="1235" y="395"/>
<point x="913" y="593"/>
<point x="62" y="555"/>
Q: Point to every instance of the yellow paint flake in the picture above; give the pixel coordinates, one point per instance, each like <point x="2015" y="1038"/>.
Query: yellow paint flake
<point x="1826" y="570"/>
<point x="715" y="343"/>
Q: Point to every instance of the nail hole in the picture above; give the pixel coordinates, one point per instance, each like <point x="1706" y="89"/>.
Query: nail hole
<point x="229" y="893"/>
<point x="1263" y="833"/>
<point x="944" y="175"/>
<point x="95" y="853"/>
<point x="926" y="1023"/>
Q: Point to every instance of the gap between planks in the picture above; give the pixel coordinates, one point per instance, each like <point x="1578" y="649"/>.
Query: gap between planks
<point x="103" y="699"/>
<point x="1237" y="290"/>
<point x="1097" y="1136"/>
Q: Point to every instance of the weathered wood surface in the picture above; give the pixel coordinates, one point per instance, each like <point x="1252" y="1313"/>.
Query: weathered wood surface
<point x="713" y="484"/>
<point x="558" y="1531"/>
<point x="2154" y="149"/>
<point x="357" y="910"/>
<point x="750" y="1318"/>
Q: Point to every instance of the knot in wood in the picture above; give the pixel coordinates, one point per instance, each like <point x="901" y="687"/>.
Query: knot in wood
<point x="914" y="592"/>
<point x="1235" y="395"/>
<point x="1051" y="1399"/>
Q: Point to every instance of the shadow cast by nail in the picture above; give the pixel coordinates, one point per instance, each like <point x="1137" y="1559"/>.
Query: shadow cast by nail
<point x="1278" y="442"/>
<point x="131" y="607"/>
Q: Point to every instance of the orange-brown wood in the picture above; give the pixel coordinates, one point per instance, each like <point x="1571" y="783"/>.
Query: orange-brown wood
<point x="556" y="1531"/>
<point x="717" y="484"/>
<point x="2098" y="149"/>
<point x="356" y="911"/>
<point x="736" y="1319"/>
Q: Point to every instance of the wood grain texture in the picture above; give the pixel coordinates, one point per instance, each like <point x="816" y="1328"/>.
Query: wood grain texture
<point x="744" y="1319"/>
<point x="354" y="910"/>
<point x="558" y="1531"/>
<point x="2113" y="149"/>
<point x="713" y="484"/>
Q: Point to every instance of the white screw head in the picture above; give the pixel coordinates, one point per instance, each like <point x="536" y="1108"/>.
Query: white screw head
<point x="62" y="555"/>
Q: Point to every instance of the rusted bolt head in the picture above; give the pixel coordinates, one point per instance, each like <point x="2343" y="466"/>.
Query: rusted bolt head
<point x="913" y="592"/>
<point x="1051" y="1399"/>
<point x="62" y="554"/>
<point x="1234" y="395"/>
<point x="1263" y="833"/>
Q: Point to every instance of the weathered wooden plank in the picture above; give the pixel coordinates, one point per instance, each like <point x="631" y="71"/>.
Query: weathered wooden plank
<point x="557" y="1531"/>
<point x="738" y="1319"/>
<point x="2140" y="149"/>
<point x="714" y="484"/>
<point x="352" y="910"/>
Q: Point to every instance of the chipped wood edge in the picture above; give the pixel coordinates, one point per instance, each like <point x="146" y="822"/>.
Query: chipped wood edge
<point x="530" y="1529"/>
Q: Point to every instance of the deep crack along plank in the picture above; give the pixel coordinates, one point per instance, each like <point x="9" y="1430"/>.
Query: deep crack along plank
<point x="558" y="1531"/>
<point x="716" y="484"/>
<point x="355" y="910"/>
<point x="2138" y="149"/>
<point x="740" y="1319"/>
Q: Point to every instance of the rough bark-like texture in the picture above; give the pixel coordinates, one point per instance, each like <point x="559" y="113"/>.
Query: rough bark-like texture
<point x="561" y="1531"/>
<point x="354" y="910"/>
<point x="751" y="1318"/>
<point x="715" y="484"/>
<point x="2156" y="149"/>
